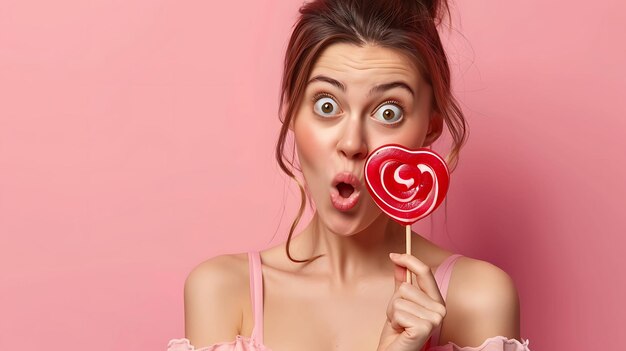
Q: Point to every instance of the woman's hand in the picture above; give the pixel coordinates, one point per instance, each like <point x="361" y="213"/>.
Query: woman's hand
<point x="415" y="309"/>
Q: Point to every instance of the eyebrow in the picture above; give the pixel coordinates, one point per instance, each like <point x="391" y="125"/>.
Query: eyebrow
<point x="376" y="89"/>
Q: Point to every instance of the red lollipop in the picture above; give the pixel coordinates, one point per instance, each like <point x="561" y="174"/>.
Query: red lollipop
<point x="406" y="184"/>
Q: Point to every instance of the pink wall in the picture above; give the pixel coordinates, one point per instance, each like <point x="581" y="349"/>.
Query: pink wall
<point x="118" y="171"/>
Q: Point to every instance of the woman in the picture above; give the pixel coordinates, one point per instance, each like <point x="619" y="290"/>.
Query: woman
<point x="358" y="74"/>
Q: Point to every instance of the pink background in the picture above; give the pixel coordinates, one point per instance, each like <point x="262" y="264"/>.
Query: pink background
<point x="137" y="140"/>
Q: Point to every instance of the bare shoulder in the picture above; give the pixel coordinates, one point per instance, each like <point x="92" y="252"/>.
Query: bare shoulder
<point x="481" y="283"/>
<point x="225" y="268"/>
<point x="482" y="302"/>
<point x="213" y="293"/>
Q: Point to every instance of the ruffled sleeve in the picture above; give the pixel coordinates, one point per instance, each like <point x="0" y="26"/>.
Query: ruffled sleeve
<point x="496" y="343"/>
<point x="241" y="343"/>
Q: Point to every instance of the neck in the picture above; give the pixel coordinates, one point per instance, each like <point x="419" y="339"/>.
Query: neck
<point x="348" y="258"/>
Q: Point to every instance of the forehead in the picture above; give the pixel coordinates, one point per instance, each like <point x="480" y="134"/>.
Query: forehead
<point x="355" y="64"/>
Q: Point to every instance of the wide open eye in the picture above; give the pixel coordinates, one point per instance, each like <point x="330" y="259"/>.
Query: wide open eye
<point x="326" y="106"/>
<point x="389" y="113"/>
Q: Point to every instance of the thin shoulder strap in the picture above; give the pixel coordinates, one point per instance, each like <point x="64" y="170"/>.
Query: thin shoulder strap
<point x="442" y="276"/>
<point x="443" y="272"/>
<point x="256" y="294"/>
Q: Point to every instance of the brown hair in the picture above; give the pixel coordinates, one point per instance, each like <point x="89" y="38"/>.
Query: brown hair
<point x="406" y="25"/>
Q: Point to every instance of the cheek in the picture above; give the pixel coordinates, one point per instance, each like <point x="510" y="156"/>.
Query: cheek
<point x="311" y="143"/>
<point x="413" y="135"/>
<point x="311" y="159"/>
<point x="306" y="144"/>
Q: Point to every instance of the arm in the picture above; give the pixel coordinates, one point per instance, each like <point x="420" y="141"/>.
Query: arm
<point x="213" y="312"/>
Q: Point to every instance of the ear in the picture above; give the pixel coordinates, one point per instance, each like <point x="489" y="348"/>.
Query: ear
<point x="435" y="128"/>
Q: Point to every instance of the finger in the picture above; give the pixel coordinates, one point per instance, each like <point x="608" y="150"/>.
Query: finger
<point x="410" y="324"/>
<point x="424" y="277"/>
<point x="416" y="295"/>
<point x="417" y="310"/>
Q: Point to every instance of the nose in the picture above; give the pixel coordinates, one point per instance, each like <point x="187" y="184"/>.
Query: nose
<point x="352" y="143"/>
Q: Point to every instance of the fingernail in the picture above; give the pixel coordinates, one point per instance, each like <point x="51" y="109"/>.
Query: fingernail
<point x="394" y="255"/>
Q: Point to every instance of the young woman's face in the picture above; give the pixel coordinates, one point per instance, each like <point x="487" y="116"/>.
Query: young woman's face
<point x="357" y="99"/>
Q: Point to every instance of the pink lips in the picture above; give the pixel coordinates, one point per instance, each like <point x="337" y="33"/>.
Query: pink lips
<point x="342" y="203"/>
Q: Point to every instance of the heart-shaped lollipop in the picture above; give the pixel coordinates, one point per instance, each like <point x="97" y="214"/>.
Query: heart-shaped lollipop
<point x="406" y="184"/>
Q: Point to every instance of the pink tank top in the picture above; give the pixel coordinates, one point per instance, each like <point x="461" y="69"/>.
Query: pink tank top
<point x="255" y="341"/>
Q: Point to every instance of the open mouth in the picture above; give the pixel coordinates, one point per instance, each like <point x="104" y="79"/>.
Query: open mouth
<point x="345" y="189"/>
<point x="344" y="196"/>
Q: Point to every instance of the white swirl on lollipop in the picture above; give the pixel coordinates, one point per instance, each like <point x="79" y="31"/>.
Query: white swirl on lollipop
<point x="429" y="201"/>
<point x="400" y="180"/>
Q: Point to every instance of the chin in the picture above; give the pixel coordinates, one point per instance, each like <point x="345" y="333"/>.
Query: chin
<point x="347" y="223"/>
